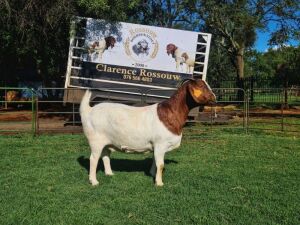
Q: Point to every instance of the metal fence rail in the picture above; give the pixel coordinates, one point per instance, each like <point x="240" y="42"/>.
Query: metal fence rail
<point x="54" y="115"/>
<point x="267" y="114"/>
<point x="228" y="113"/>
<point x="17" y="114"/>
<point x="47" y="112"/>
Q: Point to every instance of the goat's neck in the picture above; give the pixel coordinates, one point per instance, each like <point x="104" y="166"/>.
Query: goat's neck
<point x="174" y="111"/>
<point x="180" y="108"/>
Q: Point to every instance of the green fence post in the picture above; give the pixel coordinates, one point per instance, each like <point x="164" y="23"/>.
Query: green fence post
<point x="33" y="112"/>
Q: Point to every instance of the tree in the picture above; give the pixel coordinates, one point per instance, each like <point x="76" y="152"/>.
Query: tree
<point x="236" y="23"/>
<point x="112" y="10"/>
<point x="278" y="67"/>
<point x="34" y="34"/>
<point x="169" y="13"/>
<point x="279" y="64"/>
<point x="287" y="71"/>
<point x="220" y="70"/>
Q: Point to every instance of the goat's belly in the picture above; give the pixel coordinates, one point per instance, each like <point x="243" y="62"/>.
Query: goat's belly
<point x="130" y="148"/>
<point x="130" y="138"/>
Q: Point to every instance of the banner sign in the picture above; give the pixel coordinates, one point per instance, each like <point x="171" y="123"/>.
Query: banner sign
<point x="138" y="53"/>
<point x="130" y="74"/>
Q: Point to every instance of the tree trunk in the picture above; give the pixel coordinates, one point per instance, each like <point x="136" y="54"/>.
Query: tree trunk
<point x="239" y="59"/>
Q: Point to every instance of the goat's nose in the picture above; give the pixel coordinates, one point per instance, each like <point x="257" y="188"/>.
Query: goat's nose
<point x="213" y="98"/>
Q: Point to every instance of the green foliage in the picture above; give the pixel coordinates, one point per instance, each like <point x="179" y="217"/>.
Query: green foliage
<point x="114" y="10"/>
<point x="219" y="67"/>
<point x="37" y="37"/>
<point x="34" y="34"/>
<point x="288" y="68"/>
<point x="259" y="65"/>
<point x="235" y="23"/>
<point x="278" y="64"/>
<point x="172" y="14"/>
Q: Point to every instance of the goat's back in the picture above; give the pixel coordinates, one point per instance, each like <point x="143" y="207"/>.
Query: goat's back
<point x="123" y="114"/>
<point x="125" y="125"/>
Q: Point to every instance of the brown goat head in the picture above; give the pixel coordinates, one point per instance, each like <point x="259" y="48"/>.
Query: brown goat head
<point x="110" y="42"/>
<point x="171" y="48"/>
<point x="201" y="92"/>
<point x="185" y="56"/>
<point x="94" y="45"/>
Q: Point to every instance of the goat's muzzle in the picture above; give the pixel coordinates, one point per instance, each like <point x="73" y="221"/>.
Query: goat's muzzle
<point x="213" y="100"/>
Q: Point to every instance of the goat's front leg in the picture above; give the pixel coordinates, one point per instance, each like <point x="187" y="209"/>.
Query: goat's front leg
<point x="159" y="155"/>
<point x="93" y="56"/>
<point x="189" y="69"/>
<point x="177" y="64"/>
<point x="100" y="55"/>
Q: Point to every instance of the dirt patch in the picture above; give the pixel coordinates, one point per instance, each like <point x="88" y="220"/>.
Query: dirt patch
<point x="65" y="121"/>
<point x="276" y="112"/>
<point x="15" y="115"/>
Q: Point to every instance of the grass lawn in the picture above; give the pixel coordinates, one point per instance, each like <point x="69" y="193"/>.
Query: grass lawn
<point x="224" y="179"/>
<point x="291" y="125"/>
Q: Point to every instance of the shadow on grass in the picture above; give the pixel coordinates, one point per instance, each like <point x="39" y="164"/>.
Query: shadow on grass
<point x="123" y="165"/>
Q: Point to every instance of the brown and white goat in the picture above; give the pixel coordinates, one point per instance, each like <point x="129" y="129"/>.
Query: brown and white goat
<point x="180" y="56"/>
<point x="157" y="127"/>
<point x="189" y="62"/>
<point x="98" y="47"/>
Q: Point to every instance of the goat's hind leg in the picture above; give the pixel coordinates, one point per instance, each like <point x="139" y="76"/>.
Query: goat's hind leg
<point x="96" y="150"/>
<point x="106" y="162"/>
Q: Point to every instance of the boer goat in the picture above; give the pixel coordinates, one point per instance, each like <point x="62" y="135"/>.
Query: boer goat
<point x="157" y="127"/>
<point x="179" y="55"/>
<point x="98" y="47"/>
<point x="189" y="62"/>
<point x="141" y="48"/>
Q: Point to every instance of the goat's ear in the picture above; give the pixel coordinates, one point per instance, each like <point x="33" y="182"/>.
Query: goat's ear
<point x="195" y="91"/>
<point x="184" y="55"/>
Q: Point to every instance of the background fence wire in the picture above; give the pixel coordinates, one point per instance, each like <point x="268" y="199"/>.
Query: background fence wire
<point x="45" y="111"/>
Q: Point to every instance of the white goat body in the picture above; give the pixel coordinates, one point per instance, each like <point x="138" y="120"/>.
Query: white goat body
<point x="125" y="128"/>
<point x="158" y="127"/>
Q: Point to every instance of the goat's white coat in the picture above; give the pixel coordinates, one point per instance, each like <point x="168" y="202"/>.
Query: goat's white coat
<point x="126" y="128"/>
<point x="98" y="50"/>
<point x="190" y="63"/>
<point x="179" y="60"/>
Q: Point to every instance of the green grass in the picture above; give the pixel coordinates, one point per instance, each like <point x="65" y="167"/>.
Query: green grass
<point x="272" y="97"/>
<point x="288" y="124"/>
<point x="224" y="179"/>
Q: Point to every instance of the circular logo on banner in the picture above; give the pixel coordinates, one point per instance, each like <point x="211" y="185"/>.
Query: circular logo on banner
<point x="141" y="45"/>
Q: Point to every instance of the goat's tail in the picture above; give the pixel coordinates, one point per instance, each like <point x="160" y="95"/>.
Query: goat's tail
<point x="85" y="107"/>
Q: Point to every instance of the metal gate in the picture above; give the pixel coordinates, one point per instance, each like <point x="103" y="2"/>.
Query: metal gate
<point x="45" y="113"/>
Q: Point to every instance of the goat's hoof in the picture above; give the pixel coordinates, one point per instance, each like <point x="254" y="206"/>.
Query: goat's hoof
<point x="94" y="182"/>
<point x="159" y="184"/>
<point x="109" y="174"/>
